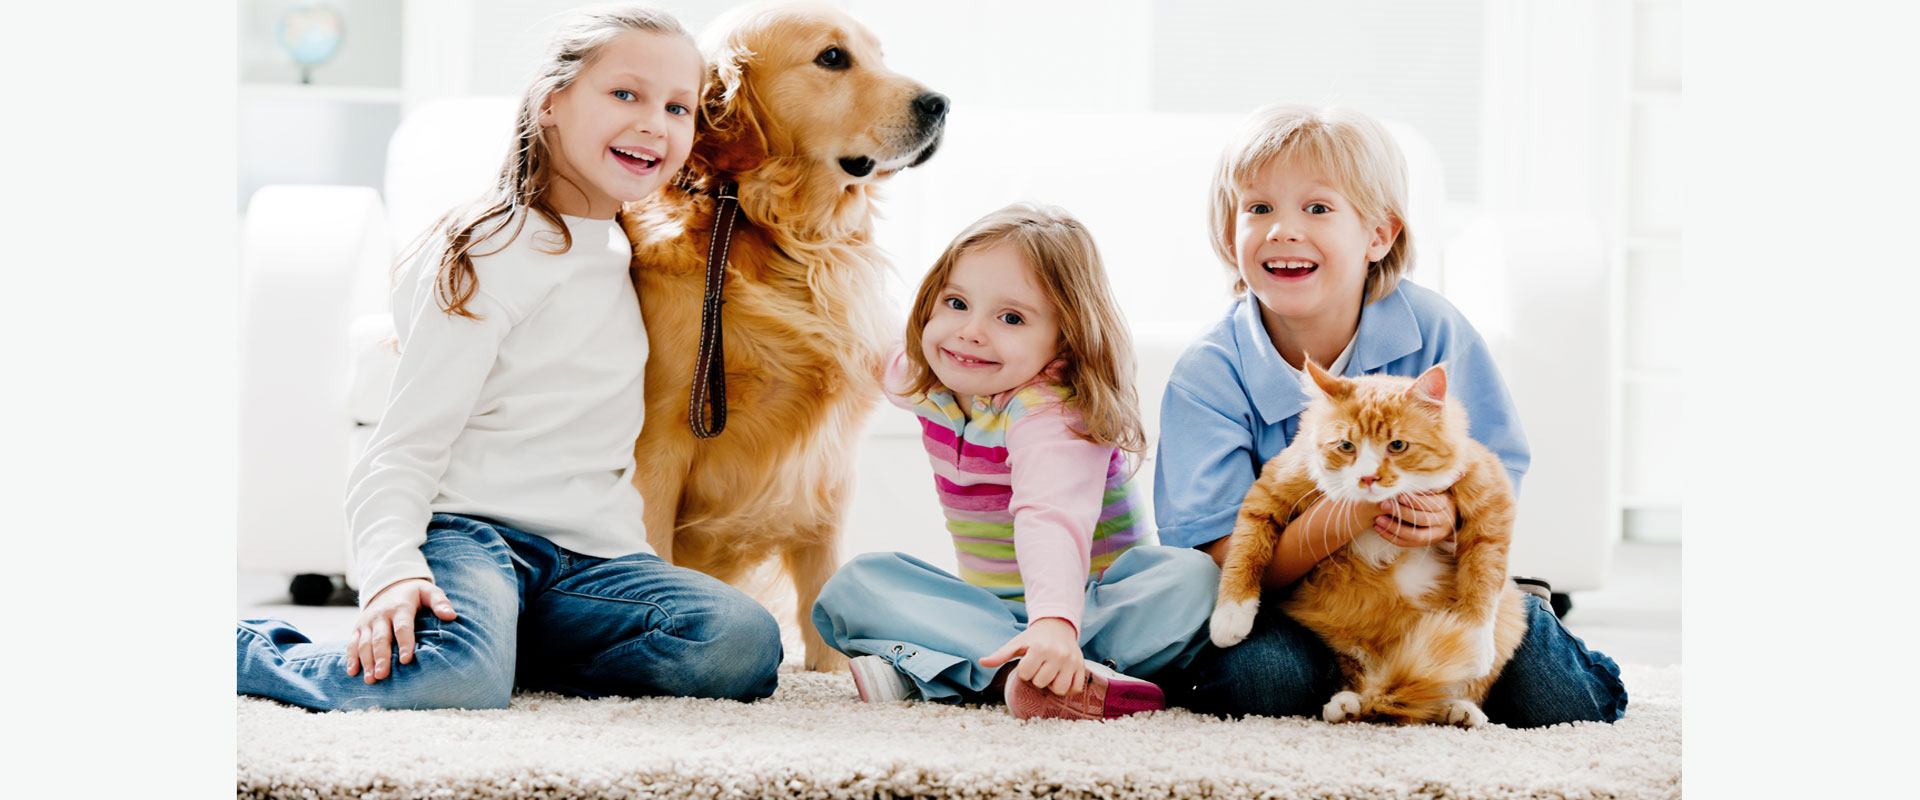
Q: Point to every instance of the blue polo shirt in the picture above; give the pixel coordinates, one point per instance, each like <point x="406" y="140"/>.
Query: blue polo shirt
<point x="1232" y="403"/>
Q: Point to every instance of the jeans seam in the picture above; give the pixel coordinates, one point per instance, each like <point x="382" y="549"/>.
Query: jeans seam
<point x="667" y="623"/>
<point x="619" y="651"/>
<point x="302" y="660"/>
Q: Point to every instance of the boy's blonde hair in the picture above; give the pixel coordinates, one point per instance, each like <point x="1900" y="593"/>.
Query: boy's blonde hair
<point x="1093" y="333"/>
<point x="527" y="175"/>
<point x="1351" y="150"/>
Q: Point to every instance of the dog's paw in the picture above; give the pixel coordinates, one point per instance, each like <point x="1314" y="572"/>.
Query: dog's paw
<point x="1233" y="621"/>
<point x="828" y="660"/>
<point x="1465" y="714"/>
<point x="1341" y="708"/>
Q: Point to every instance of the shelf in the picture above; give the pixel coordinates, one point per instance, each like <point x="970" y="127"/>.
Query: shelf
<point x="295" y="92"/>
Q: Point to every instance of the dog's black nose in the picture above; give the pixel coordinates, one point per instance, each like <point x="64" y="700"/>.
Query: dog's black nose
<point x="932" y="105"/>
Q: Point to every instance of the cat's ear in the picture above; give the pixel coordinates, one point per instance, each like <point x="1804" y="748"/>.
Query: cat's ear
<point x="1431" y="387"/>
<point x="1329" y="385"/>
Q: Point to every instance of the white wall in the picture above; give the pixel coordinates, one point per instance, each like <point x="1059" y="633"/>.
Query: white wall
<point x="1416" y="62"/>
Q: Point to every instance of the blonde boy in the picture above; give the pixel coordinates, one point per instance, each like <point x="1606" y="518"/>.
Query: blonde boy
<point x="1309" y="216"/>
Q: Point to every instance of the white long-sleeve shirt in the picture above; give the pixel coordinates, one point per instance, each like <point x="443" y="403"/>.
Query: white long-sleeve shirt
<point x="526" y="416"/>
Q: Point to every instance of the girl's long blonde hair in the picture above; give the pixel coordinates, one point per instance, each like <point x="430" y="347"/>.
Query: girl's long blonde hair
<point x="521" y="188"/>
<point x="1093" y="333"/>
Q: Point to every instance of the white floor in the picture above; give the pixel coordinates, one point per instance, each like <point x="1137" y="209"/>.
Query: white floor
<point x="1635" y="619"/>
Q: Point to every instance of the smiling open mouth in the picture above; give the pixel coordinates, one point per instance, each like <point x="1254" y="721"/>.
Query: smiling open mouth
<point x="635" y="159"/>
<point x="1289" y="268"/>
<point x="966" y="361"/>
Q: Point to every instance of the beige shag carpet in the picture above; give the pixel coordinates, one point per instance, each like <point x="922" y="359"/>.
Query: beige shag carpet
<point x="814" y="739"/>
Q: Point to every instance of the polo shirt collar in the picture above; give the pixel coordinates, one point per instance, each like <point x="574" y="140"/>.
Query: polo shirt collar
<point x="1388" y="331"/>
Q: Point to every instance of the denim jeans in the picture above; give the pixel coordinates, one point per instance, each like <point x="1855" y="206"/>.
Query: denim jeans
<point x="1282" y="669"/>
<point x="1145" y="613"/>
<point x="541" y="617"/>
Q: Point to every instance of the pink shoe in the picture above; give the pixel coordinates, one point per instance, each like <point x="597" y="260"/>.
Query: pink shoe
<point x="1107" y="695"/>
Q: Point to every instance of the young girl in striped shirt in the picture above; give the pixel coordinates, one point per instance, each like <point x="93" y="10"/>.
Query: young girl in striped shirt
<point x="1019" y="366"/>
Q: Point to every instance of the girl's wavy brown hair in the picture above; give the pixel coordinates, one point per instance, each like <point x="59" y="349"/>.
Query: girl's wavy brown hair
<point x="1094" y="338"/>
<point x="527" y="175"/>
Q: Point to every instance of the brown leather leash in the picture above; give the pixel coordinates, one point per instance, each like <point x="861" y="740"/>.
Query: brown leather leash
<point x="709" y="369"/>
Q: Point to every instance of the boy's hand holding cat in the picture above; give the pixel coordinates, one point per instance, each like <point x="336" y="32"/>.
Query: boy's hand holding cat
<point x="1417" y="520"/>
<point x="388" y="620"/>
<point x="1051" y="660"/>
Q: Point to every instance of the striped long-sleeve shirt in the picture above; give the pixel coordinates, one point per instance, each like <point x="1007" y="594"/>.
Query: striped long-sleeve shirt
<point x="1035" y="510"/>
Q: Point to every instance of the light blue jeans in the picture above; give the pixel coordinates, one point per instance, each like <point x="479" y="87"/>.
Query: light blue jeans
<point x="538" y="616"/>
<point x="1146" y="613"/>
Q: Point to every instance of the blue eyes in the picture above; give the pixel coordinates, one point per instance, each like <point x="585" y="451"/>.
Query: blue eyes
<point x="1312" y="208"/>
<point x="627" y="96"/>
<point x="958" y="304"/>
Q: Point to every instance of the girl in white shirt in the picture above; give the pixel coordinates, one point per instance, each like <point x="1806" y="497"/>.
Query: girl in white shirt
<point x="495" y="521"/>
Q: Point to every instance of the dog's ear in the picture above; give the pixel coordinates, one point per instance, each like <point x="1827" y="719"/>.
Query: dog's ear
<point x="730" y="139"/>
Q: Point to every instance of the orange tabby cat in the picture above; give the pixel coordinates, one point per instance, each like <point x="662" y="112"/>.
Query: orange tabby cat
<point x="1421" y="633"/>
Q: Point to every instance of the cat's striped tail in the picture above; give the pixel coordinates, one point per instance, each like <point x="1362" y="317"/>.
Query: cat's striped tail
<point x="1415" y="681"/>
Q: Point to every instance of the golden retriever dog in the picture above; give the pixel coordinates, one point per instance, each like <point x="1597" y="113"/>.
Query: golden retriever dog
<point x="801" y="111"/>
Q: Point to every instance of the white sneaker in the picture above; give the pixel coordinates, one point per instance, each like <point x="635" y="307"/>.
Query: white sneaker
<point x="879" y="682"/>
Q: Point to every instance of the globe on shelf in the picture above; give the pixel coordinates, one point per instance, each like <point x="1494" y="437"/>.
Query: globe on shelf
<point x="310" y="34"/>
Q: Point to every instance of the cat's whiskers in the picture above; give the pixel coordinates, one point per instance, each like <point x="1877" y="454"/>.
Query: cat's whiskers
<point x="1394" y="511"/>
<point x="1319" y="549"/>
<point x="1339" y="506"/>
<point x="1341" y="509"/>
<point x="1313" y="496"/>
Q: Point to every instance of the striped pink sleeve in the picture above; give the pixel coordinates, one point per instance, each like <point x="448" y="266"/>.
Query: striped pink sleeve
<point x="1059" y="480"/>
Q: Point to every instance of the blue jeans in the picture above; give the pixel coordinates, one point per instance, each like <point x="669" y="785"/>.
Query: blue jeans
<point x="1282" y="669"/>
<point x="541" y="617"/>
<point x="1145" y="613"/>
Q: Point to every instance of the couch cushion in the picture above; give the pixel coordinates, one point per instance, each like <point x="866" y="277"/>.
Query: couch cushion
<point x="443" y="154"/>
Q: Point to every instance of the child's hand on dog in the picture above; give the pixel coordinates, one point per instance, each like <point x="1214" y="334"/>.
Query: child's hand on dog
<point x="1049" y="653"/>
<point x="388" y="620"/>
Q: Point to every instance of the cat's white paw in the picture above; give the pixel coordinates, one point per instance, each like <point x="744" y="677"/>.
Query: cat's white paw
<point x="1342" y="706"/>
<point x="1232" y="622"/>
<point x="1465" y="714"/>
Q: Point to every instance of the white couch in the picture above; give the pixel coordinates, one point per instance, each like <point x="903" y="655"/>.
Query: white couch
<point x="317" y="263"/>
